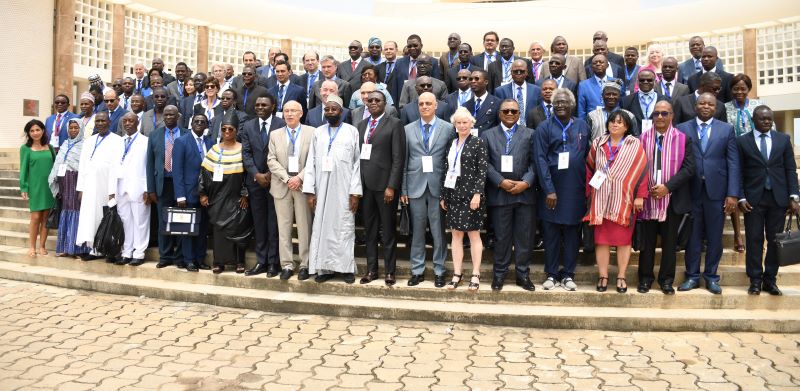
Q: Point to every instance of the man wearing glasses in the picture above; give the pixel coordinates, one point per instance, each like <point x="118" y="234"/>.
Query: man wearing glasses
<point x="115" y="112"/>
<point x="526" y="94"/>
<point x="451" y="77"/>
<point x="350" y="70"/>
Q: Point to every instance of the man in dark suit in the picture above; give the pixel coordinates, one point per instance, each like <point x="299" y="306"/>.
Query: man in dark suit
<point x="361" y="113"/>
<point x="406" y="67"/>
<point x="670" y="197"/>
<point x="555" y="71"/>
<point x="527" y="95"/>
<point x="268" y="70"/>
<point x="462" y="93"/>
<point x="350" y="70"/>
<point x="284" y="90"/>
<point x="186" y="104"/>
<point x="769" y="191"/>
<point x="613" y="58"/>
<point x="115" y="113"/>
<point x="249" y="92"/>
<point x="510" y="194"/>
<point x="643" y="102"/>
<point x="483" y="105"/>
<point x="255" y="148"/>
<point x="669" y="85"/>
<point x="386" y="69"/>
<point x="187" y="156"/>
<point x="715" y="183"/>
<point x="709" y="61"/>
<point x="489" y="55"/>
<point x="462" y="63"/>
<point x="383" y="152"/>
<point x="410" y="111"/>
<point x="614" y="70"/>
<point x="57" y="123"/>
<point x="315" y="116"/>
<point x="693" y="64"/>
<point x="249" y="60"/>
<point x="176" y="88"/>
<point x="328" y="65"/>
<point x="544" y="109"/>
<point x="684" y="106"/>
<point x="227" y="101"/>
<point x="273" y="80"/>
<point x="307" y="80"/>
<point x="160" y="185"/>
<point x="158" y="63"/>
<point x="156" y="83"/>
<point x="449" y="59"/>
<point x="424" y="68"/>
<point x="500" y="70"/>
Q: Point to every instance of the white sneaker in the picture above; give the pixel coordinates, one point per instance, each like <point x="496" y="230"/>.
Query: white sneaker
<point x="568" y="284"/>
<point x="549" y="283"/>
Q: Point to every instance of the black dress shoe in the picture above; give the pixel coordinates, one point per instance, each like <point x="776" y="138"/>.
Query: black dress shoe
<point x="163" y="264"/>
<point x="111" y="260"/>
<point x="415" y="279"/>
<point x="273" y="270"/>
<point x="303" y="274"/>
<point x="323" y="277"/>
<point x="667" y="289"/>
<point x="713" y="287"/>
<point x="257" y="269"/>
<point x="755" y="289"/>
<point x="367" y="278"/>
<point x="438" y="281"/>
<point x="688" y="285"/>
<point x="191" y="267"/>
<point x="136" y="262"/>
<point x="497" y="283"/>
<point x="525" y="283"/>
<point x="203" y="266"/>
<point x="122" y="261"/>
<point x="180" y="265"/>
<point x="644" y="286"/>
<point x="771" y="288"/>
<point x="389" y="280"/>
<point x="286" y="274"/>
<point x="349" y="278"/>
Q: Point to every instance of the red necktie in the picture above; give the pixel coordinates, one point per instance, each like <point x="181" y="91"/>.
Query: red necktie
<point x="353" y="65"/>
<point x="413" y="74"/>
<point x="168" y="151"/>
<point x="372" y="125"/>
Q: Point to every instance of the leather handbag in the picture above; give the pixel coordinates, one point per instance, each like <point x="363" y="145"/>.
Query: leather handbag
<point x="405" y="221"/>
<point x="54" y="216"/>
<point x="787" y="243"/>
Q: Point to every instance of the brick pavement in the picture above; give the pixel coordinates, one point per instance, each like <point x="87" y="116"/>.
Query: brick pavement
<point x="60" y="339"/>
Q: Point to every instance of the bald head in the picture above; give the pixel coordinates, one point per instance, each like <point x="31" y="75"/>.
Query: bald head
<point x="292" y="112"/>
<point x="130" y="123"/>
<point x="328" y="87"/>
<point x="111" y="100"/>
<point x="427" y="106"/>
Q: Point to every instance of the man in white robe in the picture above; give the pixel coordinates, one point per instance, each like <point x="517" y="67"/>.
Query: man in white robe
<point x="96" y="179"/>
<point x="332" y="183"/>
<point x="131" y="194"/>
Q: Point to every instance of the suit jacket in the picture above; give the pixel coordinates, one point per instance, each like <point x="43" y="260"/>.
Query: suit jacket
<point x="486" y="117"/>
<point x="725" y="88"/>
<point x="496" y="73"/>
<point x="293" y="92"/>
<point x="616" y="59"/>
<point x="479" y="59"/>
<point x="451" y="75"/>
<point x="345" y="91"/>
<point x="254" y="149"/>
<point x="150" y="104"/>
<point x="575" y="70"/>
<point x="216" y="123"/>
<point x="566" y="83"/>
<point x="410" y="112"/>
<point x="523" y="165"/>
<point x="155" y="159"/>
<point x="535" y="116"/>
<point x="687" y="69"/>
<point x="345" y="72"/>
<point x="780" y="167"/>
<point x="266" y="71"/>
<point x="237" y="82"/>
<point x="116" y="117"/>
<point x="415" y="182"/>
<point x="391" y="85"/>
<point x="253" y="93"/>
<point x="631" y="103"/>
<point x="718" y="166"/>
<point x="186" y="161"/>
<point x="678" y="90"/>
<point x="357" y="115"/>
<point x="147" y="122"/>
<point x="278" y="158"/>
<point x="304" y="83"/>
<point x="533" y="94"/>
<point x="618" y="71"/>
<point x="452" y="103"/>
<point x="683" y="109"/>
<point x="176" y="92"/>
<point x="445" y="66"/>
<point x="62" y="132"/>
<point x="680" y="185"/>
<point x="131" y="173"/>
<point x="387" y="160"/>
<point x="168" y="78"/>
<point x="589" y="96"/>
<point x="273" y="80"/>
<point x="186" y="108"/>
<point x="315" y="120"/>
<point x="409" y="92"/>
<point x="400" y="73"/>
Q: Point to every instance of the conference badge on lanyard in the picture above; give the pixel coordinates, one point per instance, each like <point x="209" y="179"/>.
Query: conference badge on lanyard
<point x="218" y="171"/>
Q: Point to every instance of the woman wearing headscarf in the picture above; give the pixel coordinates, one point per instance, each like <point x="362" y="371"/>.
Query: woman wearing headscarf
<point x="223" y="191"/>
<point x="86" y="104"/>
<point x="62" y="180"/>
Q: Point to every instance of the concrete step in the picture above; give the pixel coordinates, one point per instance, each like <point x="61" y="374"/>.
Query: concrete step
<point x="8" y="173"/>
<point x="19" y="225"/>
<point x="15" y="212"/>
<point x="575" y="310"/>
<point x="10" y="191"/>
<point x="20" y="239"/>
<point x="15" y="201"/>
<point x="9" y="182"/>
<point x="10" y="165"/>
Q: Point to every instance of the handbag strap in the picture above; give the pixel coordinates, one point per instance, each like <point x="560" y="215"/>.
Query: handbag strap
<point x="789" y="222"/>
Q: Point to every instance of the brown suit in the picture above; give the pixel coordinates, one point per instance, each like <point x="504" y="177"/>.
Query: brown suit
<point x="290" y="205"/>
<point x="575" y="70"/>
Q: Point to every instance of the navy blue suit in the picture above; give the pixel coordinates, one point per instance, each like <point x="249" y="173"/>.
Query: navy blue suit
<point x="566" y="83"/>
<point x="115" y="118"/>
<point x="314" y="117"/>
<point x="617" y="70"/>
<point x="186" y="160"/>
<point x="160" y="181"/>
<point x="632" y="104"/>
<point x="293" y="92"/>
<point x="716" y="177"/>
<point x="400" y="75"/>
<point x="532" y="99"/>
<point x="486" y="117"/>
<point x="50" y="123"/>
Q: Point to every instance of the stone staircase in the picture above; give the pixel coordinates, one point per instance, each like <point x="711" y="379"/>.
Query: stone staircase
<point x="696" y="310"/>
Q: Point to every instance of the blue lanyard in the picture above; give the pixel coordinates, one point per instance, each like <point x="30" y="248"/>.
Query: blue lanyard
<point x="155" y="114"/>
<point x="629" y="75"/>
<point x="451" y="59"/>
<point x="219" y="156"/>
<point x="331" y="138"/>
<point x="613" y="152"/>
<point x="128" y="148"/>
<point x="97" y="143"/>
<point x="647" y="107"/>
<point x="564" y="130"/>
<point x="458" y="151"/>
<point x="296" y="135"/>
<point x="741" y="121"/>
<point x="210" y="109"/>
<point x="509" y="135"/>
<point x="69" y="148"/>
<point x="546" y="111"/>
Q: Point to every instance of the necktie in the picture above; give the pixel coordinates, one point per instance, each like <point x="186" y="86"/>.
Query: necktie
<point x="413" y="72"/>
<point x="521" y="102"/>
<point x="281" y="90"/>
<point x="549" y="110"/>
<point x="125" y="105"/>
<point x="199" y="145"/>
<point x="180" y="88"/>
<point x="703" y="136"/>
<point x="168" y="151"/>
<point x="765" y="155"/>
<point x="463" y="97"/>
<point x="477" y="107"/>
<point x="506" y="71"/>
<point x="264" y="132"/>
<point x="426" y="137"/>
<point x="667" y="86"/>
<point x="57" y="128"/>
<point x="353" y="65"/>
<point x="658" y="152"/>
<point x="372" y="125"/>
<point x="311" y="79"/>
<point x="646" y="100"/>
<point x="697" y="66"/>
<point x="127" y="141"/>
<point x="139" y="85"/>
<point x="389" y="67"/>
<point x="291" y="146"/>
<point x="536" y="66"/>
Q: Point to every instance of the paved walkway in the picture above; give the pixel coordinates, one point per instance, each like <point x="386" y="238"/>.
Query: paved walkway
<point x="60" y="339"/>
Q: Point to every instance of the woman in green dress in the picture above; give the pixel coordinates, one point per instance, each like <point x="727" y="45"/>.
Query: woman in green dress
<point x="35" y="162"/>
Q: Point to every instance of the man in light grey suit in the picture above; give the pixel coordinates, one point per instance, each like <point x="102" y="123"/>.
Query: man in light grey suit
<point x="427" y="143"/>
<point x="361" y="113"/>
<point x="176" y="88"/>
<point x="424" y="68"/>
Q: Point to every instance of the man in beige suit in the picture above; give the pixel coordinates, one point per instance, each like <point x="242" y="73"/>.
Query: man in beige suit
<point x="288" y="149"/>
<point x="574" y="70"/>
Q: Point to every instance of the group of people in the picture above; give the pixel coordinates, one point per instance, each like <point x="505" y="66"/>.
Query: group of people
<point x="516" y="147"/>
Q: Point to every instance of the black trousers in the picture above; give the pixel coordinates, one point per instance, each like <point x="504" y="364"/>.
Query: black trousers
<point x="169" y="247"/>
<point x="513" y="225"/>
<point x="377" y="214"/>
<point x="766" y="217"/>
<point x="668" y="230"/>
<point x="262" y="206"/>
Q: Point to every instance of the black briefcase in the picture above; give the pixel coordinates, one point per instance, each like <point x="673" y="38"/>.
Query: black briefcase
<point x="181" y="222"/>
<point x="788" y="243"/>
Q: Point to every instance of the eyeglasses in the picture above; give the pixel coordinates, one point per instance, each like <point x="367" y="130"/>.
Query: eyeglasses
<point x="199" y="121"/>
<point x="462" y="78"/>
<point x="352" y="47"/>
<point x="109" y="100"/>
<point x="474" y="78"/>
<point x="509" y="111"/>
<point x="664" y="114"/>
<point x="247" y="73"/>
<point x="374" y="100"/>
<point x="427" y="85"/>
<point x="518" y="71"/>
<point x="211" y="87"/>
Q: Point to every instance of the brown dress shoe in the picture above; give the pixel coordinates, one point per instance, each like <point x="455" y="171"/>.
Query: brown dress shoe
<point x="369" y="277"/>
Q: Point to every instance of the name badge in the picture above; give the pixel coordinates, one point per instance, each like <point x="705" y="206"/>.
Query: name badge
<point x="366" y="151"/>
<point x="506" y="163"/>
<point x="474" y="132"/>
<point x="218" y="172"/>
<point x="646" y="124"/>
<point x="62" y="169"/>
<point x="563" y="160"/>
<point x="294" y="164"/>
<point x="427" y="164"/>
<point x="327" y="164"/>
<point x="450" y="180"/>
<point x="598" y="179"/>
